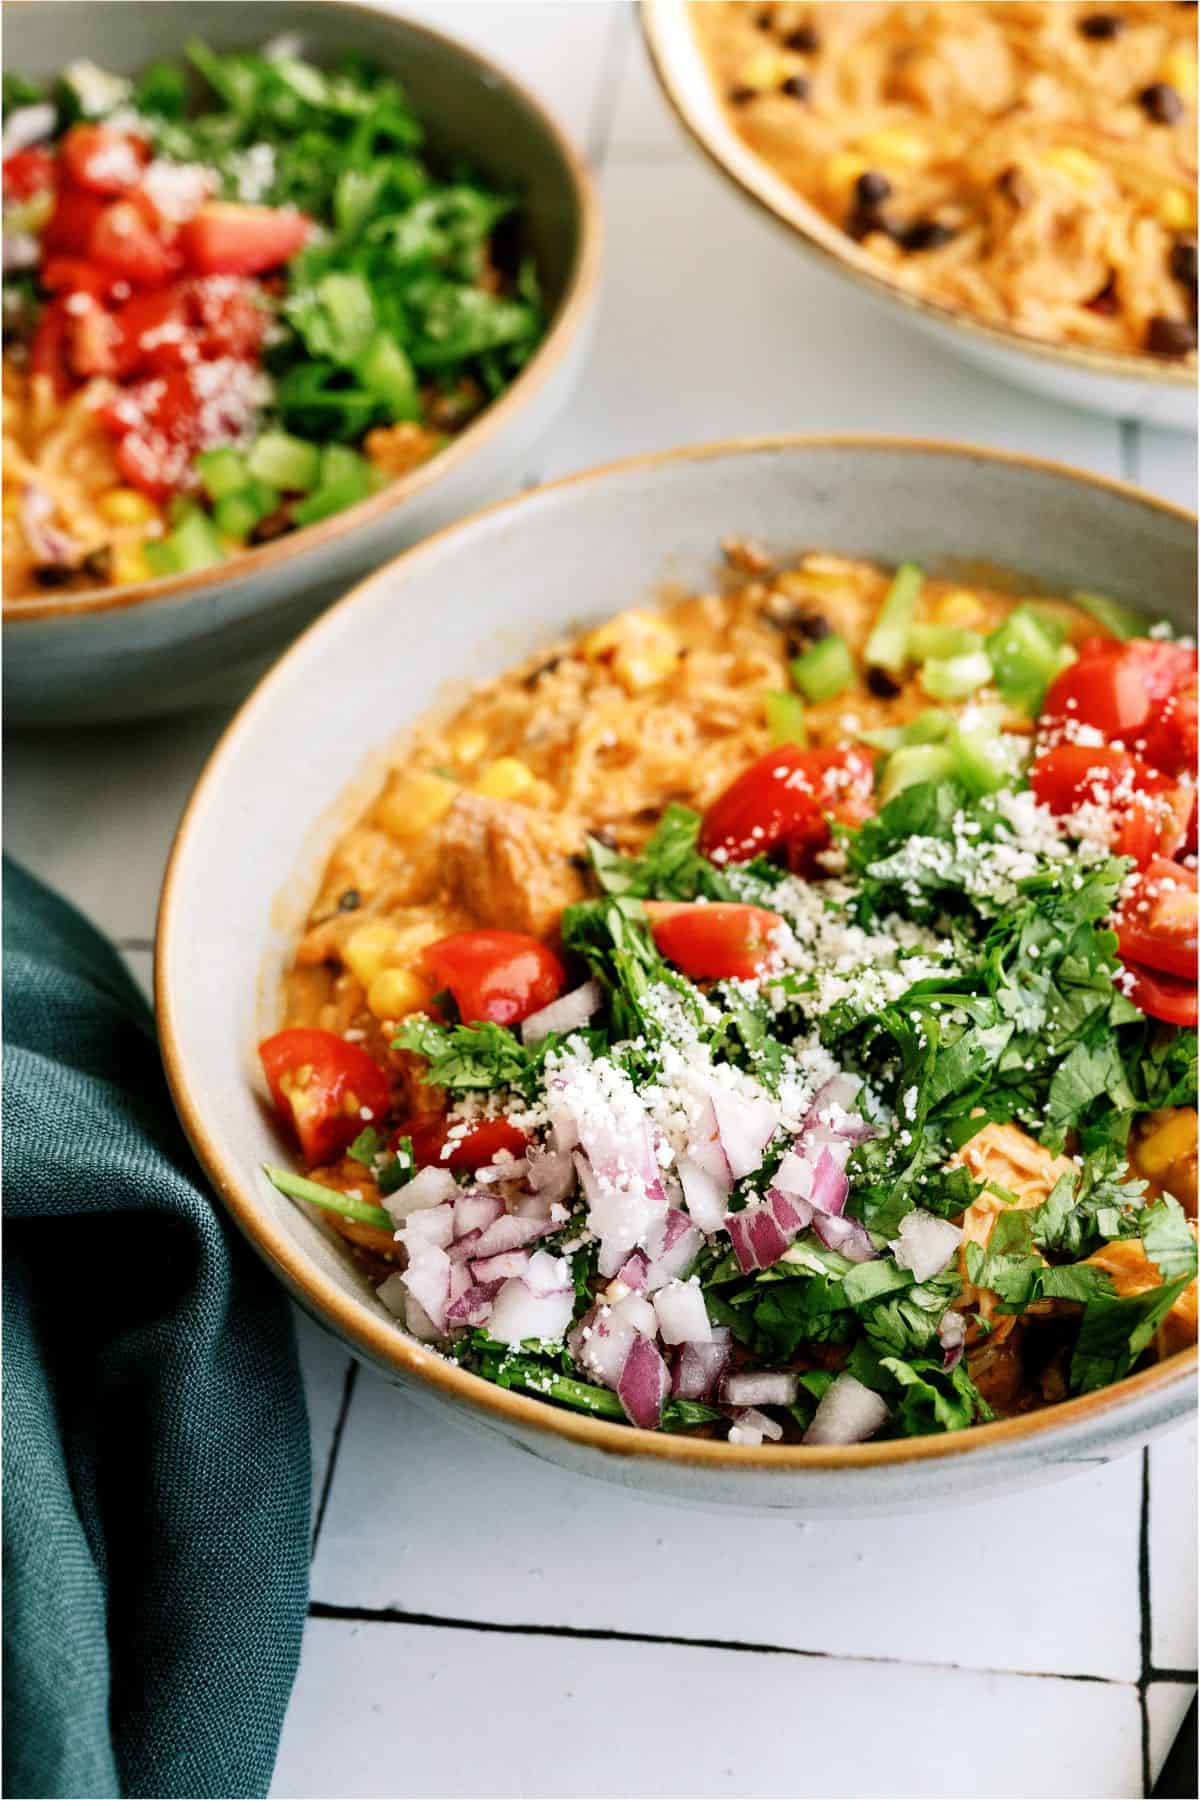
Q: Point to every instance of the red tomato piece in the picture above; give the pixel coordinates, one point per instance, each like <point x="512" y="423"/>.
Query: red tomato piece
<point x="92" y="339"/>
<point x="126" y="245"/>
<point x="1162" y="997"/>
<point x="29" y="172"/>
<point x="227" y="317"/>
<point x="325" y="1089"/>
<point x="227" y="238"/>
<point x="474" y="1149"/>
<point x="718" y="941"/>
<point x="153" y="334"/>
<point x="1156" y="921"/>
<point x="103" y="160"/>
<point x="786" y="799"/>
<point x="1144" y="814"/>
<point x="501" y="976"/>
<point x="71" y="275"/>
<point x="69" y="228"/>
<point x="157" y="422"/>
<point x="48" y="351"/>
<point x="1171" y="739"/>
<point x="1105" y="690"/>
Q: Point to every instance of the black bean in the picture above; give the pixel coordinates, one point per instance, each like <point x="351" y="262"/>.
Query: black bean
<point x="1014" y="185"/>
<point x="1170" y="337"/>
<point x="274" y="525"/>
<point x="1101" y="26"/>
<point x="1161" y="103"/>
<point x="802" y="626"/>
<point x="797" y="86"/>
<point x="546" y="668"/>
<point x="882" y="685"/>
<point x="740" y="96"/>
<point x="925" y="234"/>
<point x="763" y="20"/>
<point x="350" y="901"/>
<point x="872" y="188"/>
<point x="98" y="564"/>
<point x="53" y="575"/>
<point x="580" y="863"/>
<point x="804" y="38"/>
<point x="861" y="221"/>
<point x="1183" y="261"/>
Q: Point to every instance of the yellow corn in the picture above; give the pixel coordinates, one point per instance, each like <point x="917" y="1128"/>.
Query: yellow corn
<point x="959" y="607"/>
<point x="367" y="950"/>
<point x="642" y="647"/>
<point x="842" y="171"/>
<point x="1075" y="165"/>
<point x="1177" y="209"/>
<point x="396" y="992"/>
<point x="412" y="803"/>
<point x="125" y="506"/>
<point x="469" y="744"/>
<point x="1179" y="69"/>
<point x="128" y="564"/>
<point x="12" y="504"/>
<point x="1168" y="1143"/>
<point x="899" y="149"/>
<point x="508" y="778"/>
<point x="765" y="71"/>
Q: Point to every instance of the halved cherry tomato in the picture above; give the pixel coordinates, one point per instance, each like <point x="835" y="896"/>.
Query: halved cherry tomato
<point x="1156" y="921"/>
<point x="474" y="1149"/>
<point x="1163" y="997"/>
<point x="124" y="243"/>
<point x="48" y="351"/>
<point x="501" y="976"/>
<point x="28" y="172"/>
<point x="226" y="238"/>
<point x="103" y="160"/>
<point x="786" y="799"/>
<point x="69" y="228"/>
<point x="326" y="1089"/>
<point x="1171" y="738"/>
<point x="1147" y="814"/>
<point x="719" y="941"/>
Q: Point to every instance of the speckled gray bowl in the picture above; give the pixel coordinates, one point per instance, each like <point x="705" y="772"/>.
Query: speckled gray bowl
<point x="297" y="762"/>
<point x="156" y="647"/>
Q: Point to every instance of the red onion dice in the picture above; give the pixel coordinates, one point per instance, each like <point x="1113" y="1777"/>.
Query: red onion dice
<point x="699" y="1367"/>
<point x="926" y="1244"/>
<point x="644" y="1384"/>
<point x="761" y="1387"/>
<point x="570" y="1012"/>
<point x="847" y="1413"/>
<point x="428" y="1187"/>
<point x="682" y="1316"/>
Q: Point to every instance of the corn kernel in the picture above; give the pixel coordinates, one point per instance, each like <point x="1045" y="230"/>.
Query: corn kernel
<point x="394" y="993"/>
<point x="1179" y="69"/>
<point x="127" y="564"/>
<point x="1075" y="165"/>
<point x="413" y="802"/>
<point x="900" y="149"/>
<point x="959" y="607"/>
<point x="1167" y="1143"/>
<point x="765" y="71"/>
<point x="842" y="171"/>
<point x="469" y="744"/>
<point x="367" y="950"/>
<point x="12" y="505"/>
<point x="506" y="779"/>
<point x="643" y="667"/>
<point x="125" y="506"/>
<point x="1177" y="210"/>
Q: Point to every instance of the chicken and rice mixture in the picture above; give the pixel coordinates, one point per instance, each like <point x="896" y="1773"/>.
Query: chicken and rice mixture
<point x="1033" y="165"/>
<point x="774" y="1016"/>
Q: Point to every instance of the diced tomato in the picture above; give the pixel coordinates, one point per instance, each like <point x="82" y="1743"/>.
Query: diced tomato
<point x="325" y="1089"/>
<point x="157" y="422"/>
<point x="1118" y="687"/>
<point x="69" y="228"/>
<point x="103" y="160"/>
<point x="501" y="976"/>
<point x="48" y="351"/>
<point x="1163" y="997"/>
<point x="92" y="340"/>
<point x="474" y="1149"/>
<point x="29" y="172"/>
<point x="786" y="799"/>
<point x="226" y="238"/>
<point x="71" y="275"/>
<point x="153" y="334"/>
<point x="125" y="244"/>
<point x="1171" y="739"/>
<point x="1156" y="921"/>
<point x="1146" y="814"/>
<point x="719" y="941"/>
<point x="228" y="319"/>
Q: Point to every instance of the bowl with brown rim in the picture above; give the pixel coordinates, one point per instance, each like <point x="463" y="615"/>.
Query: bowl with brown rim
<point x="302" y="758"/>
<point x="187" y="640"/>
<point x="1138" y="386"/>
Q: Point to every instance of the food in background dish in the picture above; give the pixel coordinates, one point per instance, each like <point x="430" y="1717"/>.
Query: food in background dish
<point x="719" y="1024"/>
<point x="1033" y="165"/>
<point x="226" y="324"/>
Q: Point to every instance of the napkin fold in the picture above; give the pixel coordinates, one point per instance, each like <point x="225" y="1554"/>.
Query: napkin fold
<point x="156" y="1459"/>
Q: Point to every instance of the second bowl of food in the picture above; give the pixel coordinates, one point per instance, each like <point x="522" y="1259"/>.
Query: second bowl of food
<point x="279" y="299"/>
<point x="1017" y="181"/>
<point x="691" y="1038"/>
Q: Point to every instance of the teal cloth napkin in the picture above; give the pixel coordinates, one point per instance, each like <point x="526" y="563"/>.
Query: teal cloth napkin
<point x="156" y="1464"/>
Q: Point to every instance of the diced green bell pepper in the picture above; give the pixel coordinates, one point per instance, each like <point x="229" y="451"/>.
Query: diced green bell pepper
<point x="1026" y="654"/>
<point x="194" y="544"/>
<point x="785" y="717"/>
<point x="222" y="472"/>
<point x="914" y="763"/>
<point x="387" y="372"/>
<point x="942" y="641"/>
<point x="825" y="669"/>
<point x="954" y="677"/>
<point x="286" y="462"/>
<point x="887" y="646"/>
<point x="1122" y="621"/>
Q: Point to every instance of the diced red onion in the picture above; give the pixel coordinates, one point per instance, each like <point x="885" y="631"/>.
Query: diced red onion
<point x="474" y="1211"/>
<point x="756" y="1237"/>
<point x="27" y="125"/>
<point x="837" y="1146"/>
<point x="830" y="1186"/>
<point x="745" y="1126"/>
<point x="740" y="1433"/>
<point x="393" y="1294"/>
<point x="761" y="1387"/>
<point x="418" y="1322"/>
<point x="550" y="1173"/>
<point x="473" y="1305"/>
<point x="508" y="1232"/>
<point x="704" y="1195"/>
<point x="427" y="1279"/>
<point x="428" y="1187"/>
<point x="705" y="1148"/>
<point x="841" y="1090"/>
<point x="512" y="1170"/>
<point x="846" y="1236"/>
<point x="570" y="1012"/>
<point x="952" y="1335"/>
<point x="634" y="1270"/>
<point x="49" y="544"/>
<point x="794" y="1175"/>
<point x="672" y="1248"/>
<point x="644" y="1384"/>
<point x="682" y="1316"/>
<point x="751" y="1420"/>
<point x="699" y="1367"/>
<point x="502" y="1267"/>
<point x="518" y="1313"/>
<point x="464" y="1248"/>
<point x="546" y="1274"/>
<point x="601" y="1340"/>
<point x="926" y="1245"/>
<point x="790" y="1214"/>
<point x="432" y="1226"/>
<point x="847" y="1413"/>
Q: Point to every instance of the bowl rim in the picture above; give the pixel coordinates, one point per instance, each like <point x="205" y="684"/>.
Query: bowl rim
<point x="384" y="1342"/>
<point x="754" y="178"/>
<point x="563" y="329"/>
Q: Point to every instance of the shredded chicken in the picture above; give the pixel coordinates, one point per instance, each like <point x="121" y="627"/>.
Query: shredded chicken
<point x="506" y="864"/>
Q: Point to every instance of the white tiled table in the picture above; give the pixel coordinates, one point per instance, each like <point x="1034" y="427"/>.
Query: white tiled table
<point x="482" y="1625"/>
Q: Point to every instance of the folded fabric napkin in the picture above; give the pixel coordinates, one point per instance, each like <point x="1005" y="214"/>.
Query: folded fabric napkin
<point x="156" y="1468"/>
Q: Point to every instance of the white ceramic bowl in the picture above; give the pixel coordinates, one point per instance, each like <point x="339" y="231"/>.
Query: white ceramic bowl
<point x="298" y="762"/>
<point x="1131" y="387"/>
<point x="125" y="652"/>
